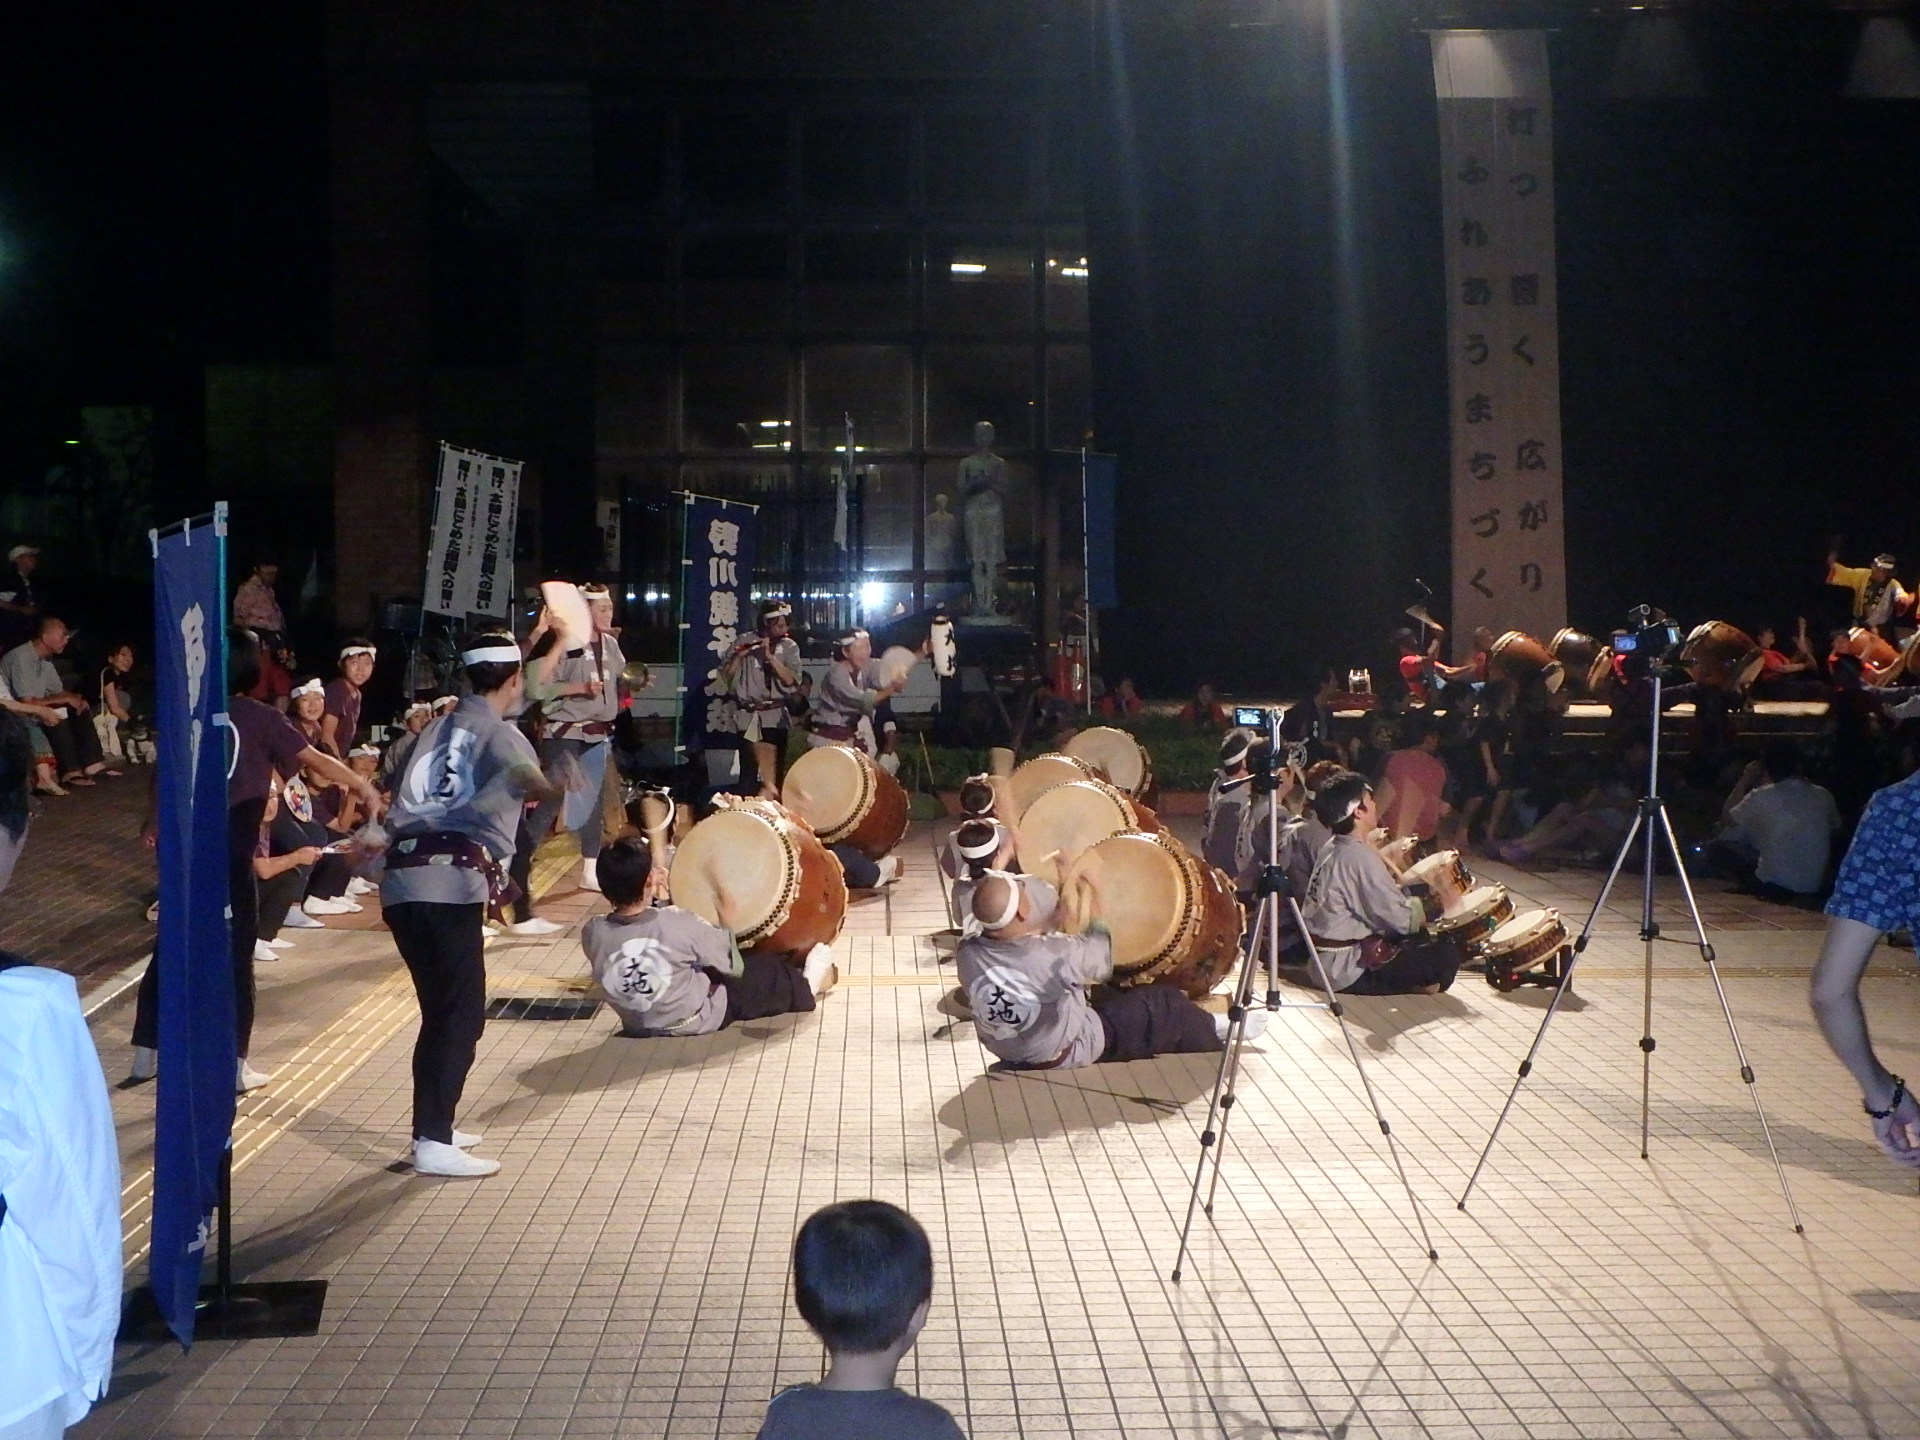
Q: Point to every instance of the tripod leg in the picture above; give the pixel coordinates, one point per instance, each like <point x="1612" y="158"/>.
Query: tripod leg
<point x="1366" y="1084"/>
<point x="1265" y="921"/>
<point x="1726" y="1009"/>
<point x="1217" y="1108"/>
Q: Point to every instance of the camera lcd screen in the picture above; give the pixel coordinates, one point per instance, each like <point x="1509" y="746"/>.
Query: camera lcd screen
<point x="1625" y="643"/>
<point x="1251" y="716"/>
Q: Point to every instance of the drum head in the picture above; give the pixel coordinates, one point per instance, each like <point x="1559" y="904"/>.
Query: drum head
<point x="1069" y="818"/>
<point x="830" y="787"/>
<point x="1421" y="872"/>
<point x="1480" y="901"/>
<point x="1114" y="751"/>
<point x="1522" y="929"/>
<point x="739" y="853"/>
<point x="1140" y="895"/>
<point x="1041" y="774"/>
<point x="1749" y="670"/>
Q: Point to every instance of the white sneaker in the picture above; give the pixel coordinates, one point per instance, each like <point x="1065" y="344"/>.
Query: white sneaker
<point x="263" y="951"/>
<point x="247" y="1078"/>
<point x="277" y="944"/>
<point x="146" y="1063"/>
<point x="589" y="880"/>
<point x="298" y="919"/>
<point x="889" y="871"/>
<point x="357" y="886"/>
<point x="535" y="926"/>
<point x="822" y="974"/>
<point x="315" y="906"/>
<point x="1257" y="1017"/>
<point x="463" y="1141"/>
<point x="430" y="1157"/>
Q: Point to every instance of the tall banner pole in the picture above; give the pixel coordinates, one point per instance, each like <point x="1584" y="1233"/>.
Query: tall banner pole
<point x="1496" y="151"/>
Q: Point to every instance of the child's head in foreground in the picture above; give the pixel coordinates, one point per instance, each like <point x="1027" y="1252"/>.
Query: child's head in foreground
<point x="863" y="1276"/>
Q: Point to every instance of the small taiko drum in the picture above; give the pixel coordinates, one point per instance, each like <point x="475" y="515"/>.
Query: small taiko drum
<point x="1400" y="853"/>
<point x="784" y="890"/>
<point x="1441" y="862"/>
<point x="1576" y="651"/>
<point x="1520" y="658"/>
<point x="1529" y="949"/>
<point x="848" y="799"/>
<point x="1481" y="912"/>
<point x="1724" y="656"/>
<point x="1040" y="774"/>
<point x="1172" y="917"/>
<point x="1121" y="758"/>
<point x="1069" y="818"/>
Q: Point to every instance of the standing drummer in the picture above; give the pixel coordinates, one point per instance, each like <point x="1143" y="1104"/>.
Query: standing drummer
<point x="578" y="683"/>
<point x="852" y="690"/>
<point x="1878" y="598"/>
<point x="763" y="672"/>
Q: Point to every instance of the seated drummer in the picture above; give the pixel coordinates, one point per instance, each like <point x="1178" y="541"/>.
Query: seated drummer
<point x="669" y="972"/>
<point x="979" y="846"/>
<point x="1371" y="933"/>
<point x="978" y="797"/>
<point x="1027" y="984"/>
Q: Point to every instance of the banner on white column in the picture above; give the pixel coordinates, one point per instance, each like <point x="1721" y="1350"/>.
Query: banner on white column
<point x="475" y="506"/>
<point x="1503" y="331"/>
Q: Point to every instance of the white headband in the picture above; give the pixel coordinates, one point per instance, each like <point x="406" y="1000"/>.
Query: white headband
<point x="1352" y="805"/>
<point x="358" y="750"/>
<point x="502" y="654"/>
<point x="353" y="650"/>
<point x="1014" y="891"/>
<point x="418" y="707"/>
<point x="982" y="850"/>
<point x="778" y="612"/>
<point x="595" y="592"/>
<point x="309" y="687"/>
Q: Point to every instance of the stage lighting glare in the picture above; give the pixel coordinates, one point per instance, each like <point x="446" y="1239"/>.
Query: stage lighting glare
<point x="967" y="267"/>
<point x="872" y="595"/>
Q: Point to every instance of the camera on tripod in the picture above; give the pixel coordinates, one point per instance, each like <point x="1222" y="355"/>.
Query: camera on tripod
<point x="1268" y="752"/>
<point x="1650" y="644"/>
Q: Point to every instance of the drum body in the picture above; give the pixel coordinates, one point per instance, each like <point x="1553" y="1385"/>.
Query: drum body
<point x="1123" y="760"/>
<point x="1520" y="658"/>
<point x="848" y="799"/>
<point x="1602" y="684"/>
<point x="1173" y="917"/>
<point x="1724" y="656"/>
<point x="783" y="886"/>
<point x="1576" y="651"/>
<point x="1868" y="648"/>
<point x="1528" y="949"/>
<point x="1441" y="862"/>
<point x="1040" y="774"/>
<point x="1480" y="913"/>
<point x="1069" y="818"/>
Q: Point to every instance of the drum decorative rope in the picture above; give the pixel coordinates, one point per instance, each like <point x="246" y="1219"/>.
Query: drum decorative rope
<point x="1123" y="760"/>
<point x="1481" y="912"/>
<point x="1172" y="917"/>
<point x="783" y="887"/>
<point x="848" y="799"/>
<point x="1530" y="949"/>
<point x="1069" y="818"/>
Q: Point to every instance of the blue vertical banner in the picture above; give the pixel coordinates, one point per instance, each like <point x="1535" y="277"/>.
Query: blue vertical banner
<point x="193" y="1119"/>
<point x="716" y="607"/>
<point x="1098" y="474"/>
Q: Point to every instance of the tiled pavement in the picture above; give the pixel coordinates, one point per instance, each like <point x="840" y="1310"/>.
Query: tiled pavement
<point x="625" y="1274"/>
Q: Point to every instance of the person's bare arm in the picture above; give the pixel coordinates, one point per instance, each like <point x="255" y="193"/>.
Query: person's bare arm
<point x="330" y="730"/>
<point x="1835" y="995"/>
<point x="268" y="866"/>
<point x="336" y="772"/>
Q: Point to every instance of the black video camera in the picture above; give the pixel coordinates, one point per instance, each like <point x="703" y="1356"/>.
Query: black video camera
<point x="1651" y="643"/>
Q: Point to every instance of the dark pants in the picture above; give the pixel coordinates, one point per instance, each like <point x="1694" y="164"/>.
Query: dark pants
<point x="520" y="871"/>
<point x="768" y="987"/>
<point x="329" y="875"/>
<point x="442" y="947"/>
<point x="76" y="744"/>
<point x="862" y="873"/>
<point x="243" y="835"/>
<point x="1150" y="1020"/>
<point x="1420" y="962"/>
<point x="277" y="896"/>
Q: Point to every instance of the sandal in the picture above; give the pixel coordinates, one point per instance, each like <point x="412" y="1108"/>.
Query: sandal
<point x="76" y="779"/>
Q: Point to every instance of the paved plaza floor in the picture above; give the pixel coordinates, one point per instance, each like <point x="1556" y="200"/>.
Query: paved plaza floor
<point x="626" y="1272"/>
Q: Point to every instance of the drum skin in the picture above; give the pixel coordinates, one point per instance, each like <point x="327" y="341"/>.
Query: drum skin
<point x="771" y="866"/>
<point x="1724" y="656"/>
<point x="1531" y="939"/>
<point x="1520" y="657"/>
<point x="1481" y="913"/>
<point x="848" y="799"/>
<point x="1123" y="760"/>
<point x="1072" y="817"/>
<point x="1173" y="917"/>
<point x="1037" y="776"/>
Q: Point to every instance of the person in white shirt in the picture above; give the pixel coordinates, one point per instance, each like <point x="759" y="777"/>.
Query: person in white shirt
<point x="1778" y="840"/>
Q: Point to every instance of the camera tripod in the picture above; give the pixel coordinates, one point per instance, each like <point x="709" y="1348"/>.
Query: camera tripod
<point x="1263" y="952"/>
<point x="1650" y="820"/>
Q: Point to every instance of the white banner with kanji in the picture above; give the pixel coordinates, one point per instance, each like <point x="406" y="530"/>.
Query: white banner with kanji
<point x="1503" y="332"/>
<point x="475" y="506"/>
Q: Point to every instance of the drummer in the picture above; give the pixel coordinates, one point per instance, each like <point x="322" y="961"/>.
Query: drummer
<point x="979" y="799"/>
<point x="1235" y="814"/>
<point x="1027" y="984"/>
<point x="577" y="682"/>
<point x="852" y="690"/>
<point x="1372" y="935"/>
<point x="763" y="672"/>
<point x="666" y="971"/>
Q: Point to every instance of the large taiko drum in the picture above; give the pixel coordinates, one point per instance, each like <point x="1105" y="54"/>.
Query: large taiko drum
<point x="1602" y="683"/>
<point x="1173" y="917"/>
<point x="1121" y="758"/>
<point x="1576" y="651"/>
<point x="1868" y="648"/>
<point x="848" y="799"/>
<point x="1521" y="658"/>
<point x="1723" y="656"/>
<point x="784" y="889"/>
<point x="1040" y="774"/>
<point x="1530" y="949"/>
<point x="1069" y="818"/>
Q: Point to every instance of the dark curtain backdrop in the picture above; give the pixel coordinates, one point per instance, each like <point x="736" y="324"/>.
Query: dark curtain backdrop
<point x="1740" y="328"/>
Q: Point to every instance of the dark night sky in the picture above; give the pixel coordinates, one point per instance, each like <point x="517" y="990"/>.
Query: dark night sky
<point x="1740" y="306"/>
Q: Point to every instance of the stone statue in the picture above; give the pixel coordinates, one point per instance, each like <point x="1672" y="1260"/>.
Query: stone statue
<point x="983" y="483"/>
<point x="942" y="530"/>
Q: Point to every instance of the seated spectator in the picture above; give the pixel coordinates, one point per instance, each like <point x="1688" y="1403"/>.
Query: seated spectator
<point x="279" y="882"/>
<point x="308" y="714"/>
<point x="340" y="717"/>
<point x="1121" y="701"/>
<point x="415" y="718"/>
<point x="329" y="886"/>
<point x="1412" y="781"/>
<point x="1778" y="840"/>
<point x="1587" y="830"/>
<point x="17" y="762"/>
<point x="124" y="708"/>
<point x="30" y="676"/>
<point x="34" y="720"/>
<point x="1204" y="711"/>
<point x="863" y="1280"/>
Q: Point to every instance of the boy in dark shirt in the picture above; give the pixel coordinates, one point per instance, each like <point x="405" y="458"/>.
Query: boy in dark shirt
<point x="863" y="1279"/>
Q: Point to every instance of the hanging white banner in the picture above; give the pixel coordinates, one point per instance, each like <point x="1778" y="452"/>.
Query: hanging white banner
<point x="1503" y="331"/>
<point x="475" y="506"/>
